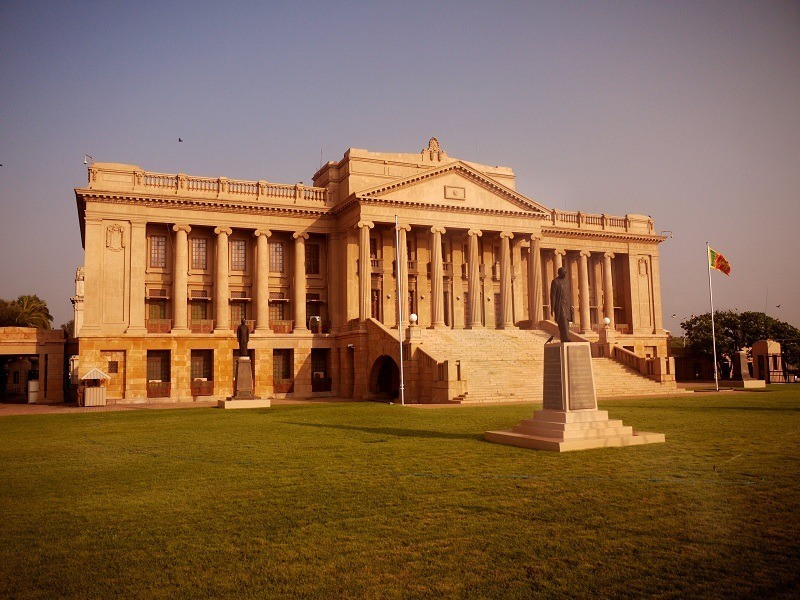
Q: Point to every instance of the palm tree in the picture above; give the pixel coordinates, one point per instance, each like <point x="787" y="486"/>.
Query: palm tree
<point x="33" y="312"/>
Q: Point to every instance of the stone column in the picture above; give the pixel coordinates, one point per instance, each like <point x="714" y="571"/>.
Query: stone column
<point x="402" y="270"/>
<point x="222" y="307"/>
<point x="474" y="281"/>
<point x="535" y="280"/>
<point x="437" y="278"/>
<point x="180" y="279"/>
<point x="262" y="280"/>
<point x="506" y="304"/>
<point x="299" y="292"/>
<point x="583" y="291"/>
<point x="139" y="260"/>
<point x="364" y="270"/>
<point x="608" y="289"/>
<point x="558" y="254"/>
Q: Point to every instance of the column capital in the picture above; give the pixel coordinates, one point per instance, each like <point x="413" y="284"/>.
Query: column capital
<point x="225" y="230"/>
<point x="300" y="234"/>
<point x="403" y="227"/>
<point x="437" y="229"/>
<point x="585" y="253"/>
<point x="472" y="232"/>
<point x="260" y="232"/>
<point x="506" y="234"/>
<point x="534" y="237"/>
<point x="181" y="227"/>
<point x="609" y="255"/>
<point x="367" y="224"/>
<point x="559" y="252"/>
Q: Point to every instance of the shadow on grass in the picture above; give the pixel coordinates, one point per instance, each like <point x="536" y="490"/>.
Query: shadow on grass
<point x="413" y="433"/>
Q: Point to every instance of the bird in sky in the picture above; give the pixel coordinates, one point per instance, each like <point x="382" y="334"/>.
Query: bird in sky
<point x="180" y="139"/>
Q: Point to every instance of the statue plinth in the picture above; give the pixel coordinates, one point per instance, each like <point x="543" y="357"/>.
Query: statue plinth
<point x="243" y="394"/>
<point x="569" y="419"/>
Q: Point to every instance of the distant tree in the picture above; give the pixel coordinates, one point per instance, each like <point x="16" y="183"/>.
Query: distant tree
<point x="26" y="311"/>
<point x="9" y="313"/>
<point x="69" y="328"/>
<point x="738" y="330"/>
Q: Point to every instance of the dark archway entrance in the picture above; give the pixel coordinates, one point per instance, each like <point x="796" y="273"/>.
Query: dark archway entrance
<point x="384" y="380"/>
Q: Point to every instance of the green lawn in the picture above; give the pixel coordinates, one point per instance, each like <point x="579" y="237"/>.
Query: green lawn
<point x="378" y="501"/>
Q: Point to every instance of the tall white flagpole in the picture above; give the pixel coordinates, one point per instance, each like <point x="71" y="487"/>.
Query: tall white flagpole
<point x="711" y="300"/>
<point x="399" y="306"/>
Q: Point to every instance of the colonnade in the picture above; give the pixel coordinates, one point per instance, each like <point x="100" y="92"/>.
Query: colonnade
<point x="222" y="313"/>
<point x="474" y="310"/>
<point x="536" y="283"/>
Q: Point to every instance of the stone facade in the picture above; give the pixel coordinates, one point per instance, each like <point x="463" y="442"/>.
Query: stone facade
<point x="45" y="344"/>
<point x="174" y="262"/>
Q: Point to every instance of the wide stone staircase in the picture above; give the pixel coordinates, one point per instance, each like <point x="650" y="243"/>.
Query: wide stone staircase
<point x="507" y="365"/>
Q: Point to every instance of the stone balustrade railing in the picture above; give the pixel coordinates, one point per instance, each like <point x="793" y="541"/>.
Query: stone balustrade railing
<point x="118" y="177"/>
<point x="591" y="222"/>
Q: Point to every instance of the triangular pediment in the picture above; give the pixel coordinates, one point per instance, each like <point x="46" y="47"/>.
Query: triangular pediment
<point x="456" y="185"/>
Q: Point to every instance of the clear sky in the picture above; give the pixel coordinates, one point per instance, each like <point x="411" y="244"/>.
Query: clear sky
<point x="685" y="111"/>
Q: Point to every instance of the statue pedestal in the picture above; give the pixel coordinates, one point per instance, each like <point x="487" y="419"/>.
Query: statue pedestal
<point x="243" y="396"/>
<point x="569" y="419"/>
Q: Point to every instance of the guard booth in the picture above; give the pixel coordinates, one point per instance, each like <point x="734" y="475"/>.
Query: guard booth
<point x="94" y="389"/>
<point x="768" y="361"/>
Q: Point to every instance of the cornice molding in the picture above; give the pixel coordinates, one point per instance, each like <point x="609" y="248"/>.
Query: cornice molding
<point x="195" y="204"/>
<point x="607" y="235"/>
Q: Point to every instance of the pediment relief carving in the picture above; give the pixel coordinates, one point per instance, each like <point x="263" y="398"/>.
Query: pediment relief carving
<point x="456" y="185"/>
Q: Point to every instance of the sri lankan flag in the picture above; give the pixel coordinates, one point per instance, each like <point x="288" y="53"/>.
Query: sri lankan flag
<point x="718" y="262"/>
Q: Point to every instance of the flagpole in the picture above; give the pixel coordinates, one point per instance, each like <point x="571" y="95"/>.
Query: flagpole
<point x="399" y="307"/>
<point x="711" y="300"/>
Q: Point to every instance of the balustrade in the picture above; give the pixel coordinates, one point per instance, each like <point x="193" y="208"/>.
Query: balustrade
<point x="158" y="389"/>
<point x="159" y="325"/>
<point x="202" y="326"/>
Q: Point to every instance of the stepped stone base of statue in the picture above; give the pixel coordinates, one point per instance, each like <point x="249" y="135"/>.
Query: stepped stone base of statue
<point x="570" y="419"/>
<point x="243" y="396"/>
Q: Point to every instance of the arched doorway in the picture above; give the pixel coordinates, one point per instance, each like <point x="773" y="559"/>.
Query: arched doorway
<point x="384" y="379"/>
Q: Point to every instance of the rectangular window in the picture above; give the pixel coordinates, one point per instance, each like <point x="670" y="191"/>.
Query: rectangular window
<point x="238" y="255"/>
<point x="312" y="259"/>
<point x="276" y="257"/>
<point x="373" y="248"/>
<point x="282" y="364"/>
<point x="199" y="254"/>
<point x="319" y="362"/>
<point x="158" y="251"/>
<point x="158" y="309"/>
<point x="238" y="312"/>
<point x="199" y="310"/>
<point x="158" y="365"/>
<point x="276" y="311"/>
<point x="202" y="364"/>
<point x="113" y="366"/>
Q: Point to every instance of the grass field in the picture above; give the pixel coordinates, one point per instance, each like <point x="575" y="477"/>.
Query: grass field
<point x="378" y="501"/>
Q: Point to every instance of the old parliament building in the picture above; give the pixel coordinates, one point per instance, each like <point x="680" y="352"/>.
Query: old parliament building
<point x="174" y="262"/>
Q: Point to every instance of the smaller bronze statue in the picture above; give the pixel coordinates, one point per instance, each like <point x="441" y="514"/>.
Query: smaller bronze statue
<point x="243" y="336"/>
<point x="561" y="303"/>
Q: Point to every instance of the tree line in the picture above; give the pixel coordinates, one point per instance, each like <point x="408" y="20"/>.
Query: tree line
<point x="735" y="331"/>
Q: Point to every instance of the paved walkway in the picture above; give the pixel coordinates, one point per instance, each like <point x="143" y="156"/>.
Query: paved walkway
<point x="9" y="408"/>
<point x="18" y="408"/>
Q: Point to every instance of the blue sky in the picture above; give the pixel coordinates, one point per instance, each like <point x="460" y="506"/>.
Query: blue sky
<point x="685" y="111"/>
